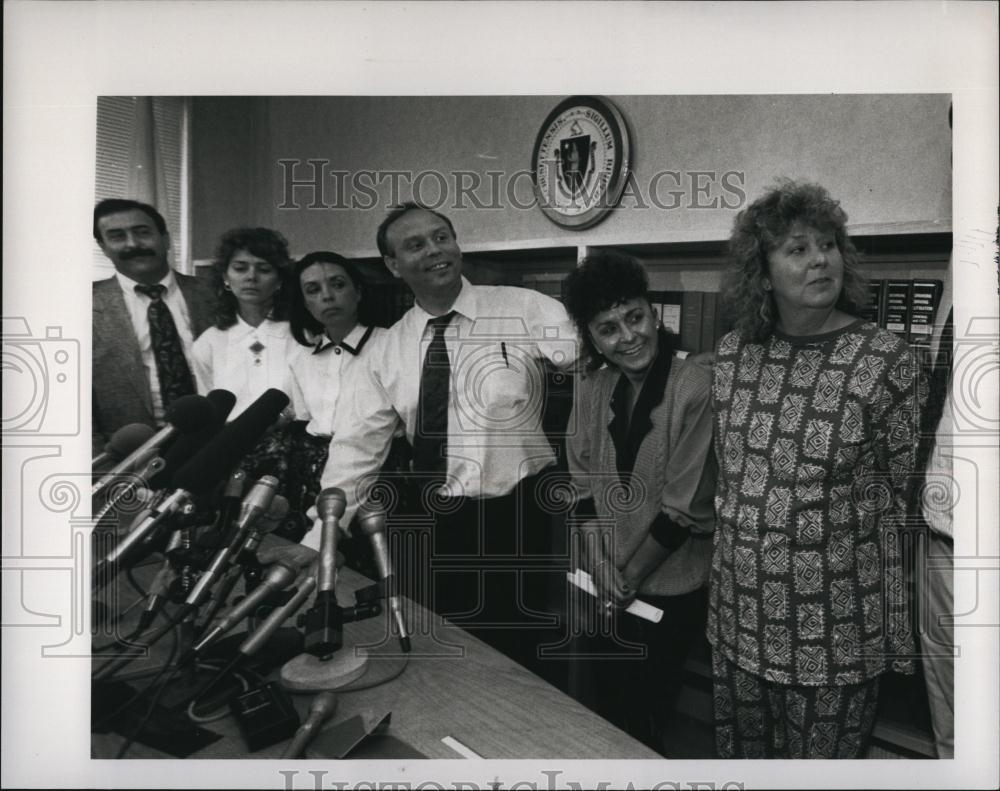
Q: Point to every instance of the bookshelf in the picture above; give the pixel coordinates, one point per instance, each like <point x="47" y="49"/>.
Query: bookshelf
<point x="672" y="267"/>
<point x="696" y="268"/>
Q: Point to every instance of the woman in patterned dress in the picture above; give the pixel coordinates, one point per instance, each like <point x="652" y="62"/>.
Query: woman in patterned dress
<point x="816" y="416"/>
<point x="640" y="455"/>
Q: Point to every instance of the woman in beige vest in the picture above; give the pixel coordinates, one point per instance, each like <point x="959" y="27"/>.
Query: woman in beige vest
<point x="639" y="451"/>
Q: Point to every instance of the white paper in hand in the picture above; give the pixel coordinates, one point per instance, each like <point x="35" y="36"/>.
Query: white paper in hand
<point x="641" y="609"/>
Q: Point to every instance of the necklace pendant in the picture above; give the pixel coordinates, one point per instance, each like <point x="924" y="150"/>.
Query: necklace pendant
<point x="256" y="348"/>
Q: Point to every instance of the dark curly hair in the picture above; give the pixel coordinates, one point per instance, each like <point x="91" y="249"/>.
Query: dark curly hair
<point x="759" y="229"/>
<point x="603" y="279"/>
<point x="263" y="243"/>
<point x="303" y="323"/>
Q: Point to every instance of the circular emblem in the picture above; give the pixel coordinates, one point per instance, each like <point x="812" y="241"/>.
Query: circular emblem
<point x="580" y="161"/>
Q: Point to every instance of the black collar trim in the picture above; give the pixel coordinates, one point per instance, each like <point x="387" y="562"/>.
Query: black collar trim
<point x="325" y="343"/>
<point x="626" y="434"/>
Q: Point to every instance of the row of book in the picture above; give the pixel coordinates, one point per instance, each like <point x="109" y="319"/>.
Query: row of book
<point x="550" y="283"/>
<point x="695" y="316"/>
<point x="905" y="307"/>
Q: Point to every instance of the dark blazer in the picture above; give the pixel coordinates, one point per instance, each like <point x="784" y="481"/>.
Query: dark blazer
<point x="120" y="388"/>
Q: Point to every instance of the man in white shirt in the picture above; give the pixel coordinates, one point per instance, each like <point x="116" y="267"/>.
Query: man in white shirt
<point x="480" y="453"/>
<point x="139" y="368"/>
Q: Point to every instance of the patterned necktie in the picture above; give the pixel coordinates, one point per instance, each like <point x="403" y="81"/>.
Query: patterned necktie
<point x="430" y="436"/>
<point x="171" y="364"/>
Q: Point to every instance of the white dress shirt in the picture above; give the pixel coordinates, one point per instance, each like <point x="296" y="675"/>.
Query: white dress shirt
<point x="318" y="376"/>
<point x="496" y="344"/>
<point x="224" y="359"/>
<point x="138" y="306"/>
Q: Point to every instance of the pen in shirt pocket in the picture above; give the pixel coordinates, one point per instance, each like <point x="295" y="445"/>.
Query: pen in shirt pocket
<point x="503" y="351"/>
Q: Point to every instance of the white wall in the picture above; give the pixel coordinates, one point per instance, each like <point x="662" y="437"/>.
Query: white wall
<point x="887" y="158"/>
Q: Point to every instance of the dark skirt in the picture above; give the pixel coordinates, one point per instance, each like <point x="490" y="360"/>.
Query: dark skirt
<point x="307" y="456"/>
<point x="296" y="459"/>
<point x="631" y="671"/>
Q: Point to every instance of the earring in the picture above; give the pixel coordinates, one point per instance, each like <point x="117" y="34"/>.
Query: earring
<point x="226" y="286"/>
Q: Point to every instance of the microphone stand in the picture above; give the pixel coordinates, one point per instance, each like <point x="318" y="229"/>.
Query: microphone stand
<point x="328" y="662"/>
<point x="324" y="665"/>
<point x="259" y="512"/>
<point x="187" y="565"/>
<point x="183" y="560"/>
<point x="252" y="643"/>
<point x="246" y="566"/>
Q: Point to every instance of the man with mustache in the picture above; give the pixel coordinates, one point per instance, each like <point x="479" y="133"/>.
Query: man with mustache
<point x="145" y="319"/>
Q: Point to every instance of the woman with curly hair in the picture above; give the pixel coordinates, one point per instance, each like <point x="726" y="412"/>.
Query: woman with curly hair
<point x="644" y="475"/>
<point x="247" y="350"/>
<point x="816" y="416"/>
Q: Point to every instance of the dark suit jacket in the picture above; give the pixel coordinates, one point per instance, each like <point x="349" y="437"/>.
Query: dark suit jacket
<point x="121" y="393"/>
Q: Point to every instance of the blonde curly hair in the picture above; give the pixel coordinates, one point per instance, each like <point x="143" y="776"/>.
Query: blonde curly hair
<point x="759" y="229"/>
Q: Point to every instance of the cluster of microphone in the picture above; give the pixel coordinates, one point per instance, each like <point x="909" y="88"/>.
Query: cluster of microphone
<point x="324" y="621"/>
<point x="190" y="469"/>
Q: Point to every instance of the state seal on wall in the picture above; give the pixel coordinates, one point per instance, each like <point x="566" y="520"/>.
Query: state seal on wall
<point x="580" y="161"/>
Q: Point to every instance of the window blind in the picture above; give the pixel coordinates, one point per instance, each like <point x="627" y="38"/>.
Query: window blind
<point x="115" y="131"/>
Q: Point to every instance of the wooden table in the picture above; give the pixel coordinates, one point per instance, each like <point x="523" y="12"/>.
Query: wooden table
<point x="475" y="695"/>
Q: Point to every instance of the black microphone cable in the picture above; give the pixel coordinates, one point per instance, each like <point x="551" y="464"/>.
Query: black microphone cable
<point x="138" y="694"/>
<point x="118" y="641"/>
<point x="175" y="647"/>
<point x="244" y="676"/>
<point x="130" y="576"/>
<point x="254" y="506"/>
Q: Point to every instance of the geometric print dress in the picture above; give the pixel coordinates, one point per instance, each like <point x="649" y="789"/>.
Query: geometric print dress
<point x="816" y="438"/>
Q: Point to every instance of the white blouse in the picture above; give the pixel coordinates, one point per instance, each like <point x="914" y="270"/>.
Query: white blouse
<point x="244" y="360"/>
<point x="319" y="376"/>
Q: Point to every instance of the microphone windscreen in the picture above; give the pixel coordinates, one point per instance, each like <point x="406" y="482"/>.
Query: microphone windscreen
<point x="190" y="413"/>
<point x="223" y="401"/>
<point x="183" y="448"/>
<point x="128" y="439"/>
<point x="225" y="450"/>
